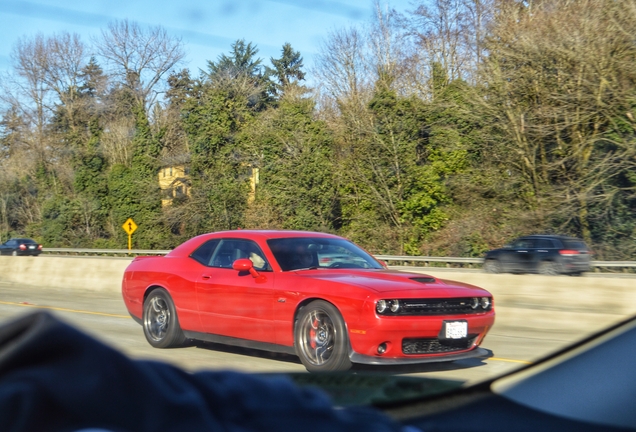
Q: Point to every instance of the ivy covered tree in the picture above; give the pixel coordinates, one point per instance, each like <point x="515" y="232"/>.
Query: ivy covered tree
<point x="135" y="191"/>
<point x="294" y="155"/>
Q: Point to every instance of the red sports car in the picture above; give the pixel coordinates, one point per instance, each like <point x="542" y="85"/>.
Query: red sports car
<point x="315" y="295"/>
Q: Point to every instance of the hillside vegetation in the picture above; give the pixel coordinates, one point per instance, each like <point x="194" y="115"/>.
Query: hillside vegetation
<point x="444" y="130"/>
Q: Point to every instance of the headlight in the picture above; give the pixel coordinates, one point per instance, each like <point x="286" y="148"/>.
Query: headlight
<point x="395" y="306"/>
<point x="474" y="302"/>
<point x="485" y="302"/>
<point x="380" y="306"/>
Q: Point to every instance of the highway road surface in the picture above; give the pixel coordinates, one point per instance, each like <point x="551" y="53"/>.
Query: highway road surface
<point x="528" y="327"/>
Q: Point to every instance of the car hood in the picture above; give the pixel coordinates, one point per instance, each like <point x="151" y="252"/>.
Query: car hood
<point x="393" y="281"/>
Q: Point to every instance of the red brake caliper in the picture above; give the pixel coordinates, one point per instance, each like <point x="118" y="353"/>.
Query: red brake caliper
<point x="312" y="333"/>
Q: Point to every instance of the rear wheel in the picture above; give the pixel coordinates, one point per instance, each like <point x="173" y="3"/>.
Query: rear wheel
<point x="492" y="266"/>
<point x="160" y="322"/>
<point x="321" y="338"/>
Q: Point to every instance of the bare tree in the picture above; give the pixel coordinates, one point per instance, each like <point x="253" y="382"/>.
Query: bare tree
<point x="139" y="57"/>
<point x="65" y="59"/>
<point x="27" y="94"/>
<point x="340" y="65"/>
<point x="389" y="47"/>
<point x="437" y="26"/>
<point x="561" y="78"/>
<point x="478" y="16"/>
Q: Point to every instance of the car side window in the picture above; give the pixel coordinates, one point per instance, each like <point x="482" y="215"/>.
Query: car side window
<point x="203" y="254"/>
<point x="523" y="244"/>
<point x="545" y="244"/>
<point x="232" y="249"/>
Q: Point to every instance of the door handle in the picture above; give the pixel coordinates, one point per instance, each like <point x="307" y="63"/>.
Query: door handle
<point x="205" y="277"/>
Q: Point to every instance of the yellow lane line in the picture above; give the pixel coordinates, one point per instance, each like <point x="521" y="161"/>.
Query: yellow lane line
<point x="64" y="309"/>
<point x="509" y="360"/>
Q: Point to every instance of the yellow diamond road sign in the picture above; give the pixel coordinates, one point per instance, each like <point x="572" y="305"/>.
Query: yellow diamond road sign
<point x="129" y="226"/>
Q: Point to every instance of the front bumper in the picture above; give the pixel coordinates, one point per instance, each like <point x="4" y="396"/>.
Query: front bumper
<point x="396" y="333"/>
<point x="476" y="352"/>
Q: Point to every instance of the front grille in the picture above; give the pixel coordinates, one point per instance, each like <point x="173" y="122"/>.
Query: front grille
<point x="434" y="345"/>
<point x="438" y="307"/>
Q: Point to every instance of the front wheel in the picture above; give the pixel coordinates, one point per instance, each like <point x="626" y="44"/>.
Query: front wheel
<point x="321" y="338"/>
<point x="549" y="268"/>
<point x="492" y="266"/>
<point x="160" y="322"/>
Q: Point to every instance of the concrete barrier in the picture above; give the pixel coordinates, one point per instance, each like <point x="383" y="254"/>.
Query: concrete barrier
<point x="580" y="293"/>
<point x="87" y="273"/>
<point x="526" y="302"/>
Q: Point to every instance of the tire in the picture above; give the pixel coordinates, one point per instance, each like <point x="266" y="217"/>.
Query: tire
<point x="160" y="321"/>
<point x="492" y="266"/>
<point x="321" y="338"/>
<point x="549" y="268"/>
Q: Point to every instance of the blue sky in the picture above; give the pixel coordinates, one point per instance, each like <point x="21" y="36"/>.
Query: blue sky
<point x="207" y="27"/>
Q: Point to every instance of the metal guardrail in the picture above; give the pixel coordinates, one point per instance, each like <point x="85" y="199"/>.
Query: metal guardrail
<point x="420" y="261"/>
<point x="102" y="252"/>
<point x="469" y="262"/>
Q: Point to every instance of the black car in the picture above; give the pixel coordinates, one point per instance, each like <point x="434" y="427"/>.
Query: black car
<point x="20" y="246"/>
<point x="544" y="254"/>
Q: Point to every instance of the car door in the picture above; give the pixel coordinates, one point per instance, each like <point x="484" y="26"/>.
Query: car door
<point x="516" y="256"/>
<point x="233" y="303"/>
<point x="525" y="255"/>
<point x="7" y="247"/>
<point x="544" y="251"/>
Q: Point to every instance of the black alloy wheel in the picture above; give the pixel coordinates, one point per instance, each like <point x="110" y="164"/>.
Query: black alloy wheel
<point x="160" y="322"/>
<point x="321" y="338"/>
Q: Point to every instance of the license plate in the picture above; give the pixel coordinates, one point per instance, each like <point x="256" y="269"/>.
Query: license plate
<point x="456" y="329"/>
<point x="31" y="247"/>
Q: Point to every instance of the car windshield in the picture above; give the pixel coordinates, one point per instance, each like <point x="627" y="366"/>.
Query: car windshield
<point x="316" y="252"/>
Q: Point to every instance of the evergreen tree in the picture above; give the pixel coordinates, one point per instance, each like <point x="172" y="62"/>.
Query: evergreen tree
<point x="287" y="69"/>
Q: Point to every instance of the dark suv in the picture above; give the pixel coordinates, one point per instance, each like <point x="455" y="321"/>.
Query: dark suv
<point x="544" y="254"/>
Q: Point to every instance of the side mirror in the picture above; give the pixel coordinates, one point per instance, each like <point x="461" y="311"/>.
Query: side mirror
<point x="246" y="265"/>
<point x="243" y="264"/>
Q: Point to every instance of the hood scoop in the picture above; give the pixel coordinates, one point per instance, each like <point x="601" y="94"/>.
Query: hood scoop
<point x="424" y="280"/>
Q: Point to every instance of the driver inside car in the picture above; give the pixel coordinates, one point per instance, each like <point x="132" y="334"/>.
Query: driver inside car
<point x="305" y="257"/>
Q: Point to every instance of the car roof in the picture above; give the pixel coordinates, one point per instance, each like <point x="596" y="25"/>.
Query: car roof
<point x="270" y="234"/>
<point x="257" y="235"/>
<point x="556" y="236"/>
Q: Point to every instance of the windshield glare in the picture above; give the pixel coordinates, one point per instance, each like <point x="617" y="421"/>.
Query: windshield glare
<point x="309" y="252"/>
